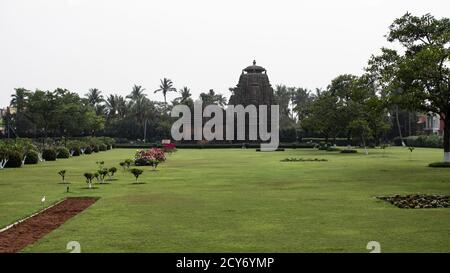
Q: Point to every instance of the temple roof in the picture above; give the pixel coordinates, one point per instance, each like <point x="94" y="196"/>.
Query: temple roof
<point x="254" y="68"/>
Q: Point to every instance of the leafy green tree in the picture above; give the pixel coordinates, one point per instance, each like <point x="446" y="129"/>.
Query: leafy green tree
<point x="418" y="76"/>
<point x="213" y="98"/>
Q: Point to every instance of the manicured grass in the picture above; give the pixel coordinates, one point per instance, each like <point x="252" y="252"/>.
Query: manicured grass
<point x="242" y="201"/>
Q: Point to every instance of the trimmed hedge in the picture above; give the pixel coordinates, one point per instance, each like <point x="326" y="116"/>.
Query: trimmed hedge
<point x="88" y="150"/>
<point x="62" y="153"/>
<point x="49" y="155"/>
<point x="439" y="165"/>
<point x="277" y="150"/>
<point x="215" y="145"/>
<point x="347" y="151"/>
<point x="32" y="158"/>
<point x="425" y="141"/>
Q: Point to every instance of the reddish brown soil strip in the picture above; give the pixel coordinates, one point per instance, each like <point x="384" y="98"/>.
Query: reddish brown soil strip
<point x="32" y="229"/>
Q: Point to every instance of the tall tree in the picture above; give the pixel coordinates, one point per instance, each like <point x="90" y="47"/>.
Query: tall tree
<point x="213" y="98"/>
<point x="418" y="77"/>
<point x="94" y="96"/>
<point x="165" y="87"/>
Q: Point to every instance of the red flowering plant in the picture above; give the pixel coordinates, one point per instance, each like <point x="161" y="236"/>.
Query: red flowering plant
<point x="151" y="157"/>
<point x="169" y="147"/>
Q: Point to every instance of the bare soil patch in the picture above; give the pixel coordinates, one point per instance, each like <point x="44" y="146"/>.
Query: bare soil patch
<point x="34" y="228"/>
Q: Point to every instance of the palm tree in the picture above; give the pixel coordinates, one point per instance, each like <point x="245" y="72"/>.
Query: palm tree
<point x="185" y="97"/>
<point x="19" y="98"/>
<point x="212" y="98"/>
<point x="122" y="106"/>
<point x="165" y="87"/>
<point x="185" y="93"/>
<point x="138" y="103"/>
<point x="137" y="93"/>
<point x="111" y="105"/>
<point x="94" y="96"/>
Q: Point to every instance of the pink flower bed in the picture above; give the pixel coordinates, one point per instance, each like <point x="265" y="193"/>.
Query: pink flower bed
<point x="169" y="147"/>
<point x="152" y="157"/>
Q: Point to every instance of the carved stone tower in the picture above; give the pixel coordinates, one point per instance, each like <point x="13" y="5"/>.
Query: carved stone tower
<point x="253" y="88"/>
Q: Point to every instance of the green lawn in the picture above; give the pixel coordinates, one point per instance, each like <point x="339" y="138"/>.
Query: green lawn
<point x="241" y="201"/>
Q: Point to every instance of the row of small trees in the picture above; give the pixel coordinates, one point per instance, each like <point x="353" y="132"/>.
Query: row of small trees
<point x="18" y="152"/>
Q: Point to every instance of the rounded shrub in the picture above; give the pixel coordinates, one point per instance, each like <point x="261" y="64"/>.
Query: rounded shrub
<point x="439" y="165"/>
<point x="14" y="160"/>
<point x="62" y="153"/>
<point x="76" y="151"/>
<point x="349" y="151"/>
<point x="88" y="150"/>
<point x="49" y="155"/>
<point x="103" y="147"/>
<point x="32" y="158"/>
<point x="95" y="149"/>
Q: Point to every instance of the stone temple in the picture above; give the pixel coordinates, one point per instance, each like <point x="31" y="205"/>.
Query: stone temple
<point x="253" y="88"/>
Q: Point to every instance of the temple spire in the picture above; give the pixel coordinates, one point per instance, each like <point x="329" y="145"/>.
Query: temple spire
<point x="254" y="62"/>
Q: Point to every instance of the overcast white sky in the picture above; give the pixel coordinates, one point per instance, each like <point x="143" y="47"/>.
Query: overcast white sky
<point x="113" y="44"/>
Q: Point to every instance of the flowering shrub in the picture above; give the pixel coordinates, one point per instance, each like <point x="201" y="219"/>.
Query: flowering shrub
<point x="150" y="157"/>
<point x="169" y="147"/>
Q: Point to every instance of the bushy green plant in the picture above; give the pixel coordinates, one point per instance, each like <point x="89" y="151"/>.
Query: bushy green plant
<point x="333" y="149"/>
<point x="75" y="151"/>
<point x="89" y="177"/>
<point x="88" y="150"/>
<point x="102" y="147"/>
<point x="32" y="157"/>
<point x="62" y="173"/>
<point x="95" y="149"/>
<point x="100" y="164"/>
<point x="136" y="173"/>
<point x="14" y="160"/>
<point x="102" y="174"/>
<point x="428" y="141"/>
<point x="62" y="152"/>
<point x="439" y="165"/>
<point x="112" y="171"/>
<point x="49" y="154"/>
<point x="349" y="151"/>
<point x="128" y="163"/>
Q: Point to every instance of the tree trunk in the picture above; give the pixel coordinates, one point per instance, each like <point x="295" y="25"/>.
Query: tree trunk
<point x="447" y="139"/>
<point x="398" y="126"/>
